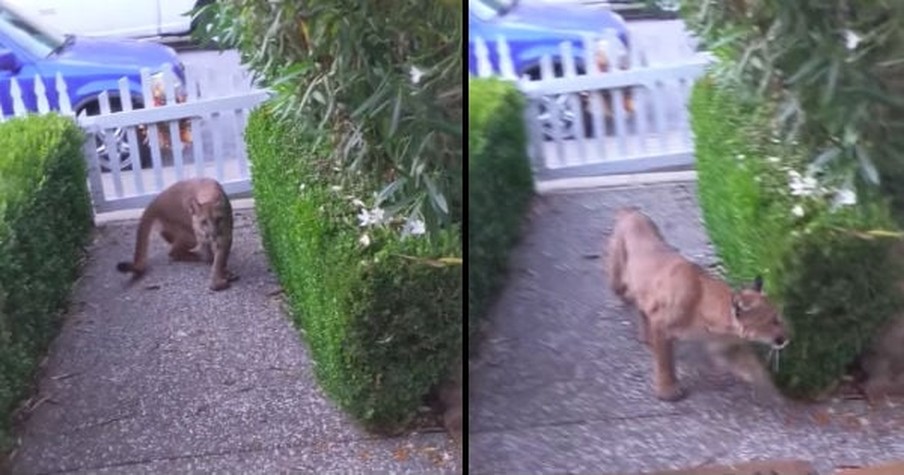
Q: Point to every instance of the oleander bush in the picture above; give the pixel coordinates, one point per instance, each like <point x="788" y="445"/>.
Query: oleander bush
<point x="380" y="81"/>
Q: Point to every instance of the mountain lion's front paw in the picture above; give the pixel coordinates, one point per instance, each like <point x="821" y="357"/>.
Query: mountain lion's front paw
<point x="670" y="393"/>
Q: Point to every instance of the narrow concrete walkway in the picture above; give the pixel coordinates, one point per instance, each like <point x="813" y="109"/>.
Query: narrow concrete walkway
<point x="168" y="377"/>
<point x="562" y="386"/>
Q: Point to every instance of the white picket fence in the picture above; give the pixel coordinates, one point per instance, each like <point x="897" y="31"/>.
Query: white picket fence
<point x="588" y="118"/>
<point x="198" y="135"/>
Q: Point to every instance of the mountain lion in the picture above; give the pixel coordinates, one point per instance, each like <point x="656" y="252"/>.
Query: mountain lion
<point x="677" y="299"/>
<point x="193" y="213"/>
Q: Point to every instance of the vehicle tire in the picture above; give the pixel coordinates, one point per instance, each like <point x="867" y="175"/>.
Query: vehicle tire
<point x="121" y="141"/>
<point x="568" y="127"/>
<point x="565" y="129"/>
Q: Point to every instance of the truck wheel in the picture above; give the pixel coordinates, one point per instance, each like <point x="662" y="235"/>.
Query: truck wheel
<point x="120" y="143"/>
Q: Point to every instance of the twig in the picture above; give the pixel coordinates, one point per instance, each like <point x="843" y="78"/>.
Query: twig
<point x="63" y="376"/>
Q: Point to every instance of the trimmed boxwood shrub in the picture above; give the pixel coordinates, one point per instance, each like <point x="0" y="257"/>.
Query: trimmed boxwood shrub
<point x="835" y="280"/>
<point x="500" y="186"/>
<point x="383" y="320"/>
<point x="45" y="220"/>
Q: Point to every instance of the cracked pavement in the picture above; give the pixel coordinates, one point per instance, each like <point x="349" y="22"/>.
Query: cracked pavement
<point x="561" y="385"/>
<point x="166" y="376"/>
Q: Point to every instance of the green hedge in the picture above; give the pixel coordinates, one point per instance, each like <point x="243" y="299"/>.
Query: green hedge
<point x="383" y="328"/>
<point x="45" y="220"/>
<point x="500" y="186"/>
<point x="836" y="283"/>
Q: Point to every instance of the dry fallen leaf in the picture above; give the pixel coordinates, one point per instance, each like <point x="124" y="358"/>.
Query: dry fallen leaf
<point x="64" y="376"/>
<point x="821" y="417"/>
<point x="851" y="422"/>
<point x="401" y="454"/>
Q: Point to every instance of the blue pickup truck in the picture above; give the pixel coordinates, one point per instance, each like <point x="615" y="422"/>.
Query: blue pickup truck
<point x="534" y="28"/>
<point x="30" y="49"/>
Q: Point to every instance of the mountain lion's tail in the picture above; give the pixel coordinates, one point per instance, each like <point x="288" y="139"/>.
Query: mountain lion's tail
<point x="139" y="264"/>
<point x="616" y="257"/>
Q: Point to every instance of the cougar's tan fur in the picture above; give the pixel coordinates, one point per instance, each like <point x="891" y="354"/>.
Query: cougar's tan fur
<point x="678" y="299"/>
<point x="193" y="214"/>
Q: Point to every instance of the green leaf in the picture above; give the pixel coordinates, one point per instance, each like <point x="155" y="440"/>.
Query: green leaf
<point x="436" y="196"/>
<point x="826" y="157"/>
<point x="389" y="190"/>
<point x="291" y="74"/>
<point x="828" y="93"/>
<point x="396" y="112"/>
<point x="866" y="165"/>
<point x="806" y="72"/>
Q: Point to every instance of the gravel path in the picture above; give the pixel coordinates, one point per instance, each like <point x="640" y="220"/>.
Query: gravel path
<point x="562" y="386"/>
<point x="168" y="377"/>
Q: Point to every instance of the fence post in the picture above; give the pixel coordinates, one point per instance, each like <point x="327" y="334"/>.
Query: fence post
<point x="95" y="183"/>
<point x="41" y="95"/>
<point x="63" y="100"/>
<point x="114" y="161"/>
<point x="169" y="91"/>
<point x="16" y="92"/>
<point x="125" y="98"/>
<point x="484" y="66"/>
<point x="573" y="100"/>
<point x="151" y="129"/>
<point x="506" y="64"/>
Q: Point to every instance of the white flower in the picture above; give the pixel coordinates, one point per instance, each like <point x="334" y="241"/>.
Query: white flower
<point x="845" y="197"/>
<point x="364" y="218"/>
<point x="798" y="211"/>
<point x="851" y="39"/>
<point x="773" y="159"/>
<point x="336" y="188"/>
<point x="301" y="187"/>
<point x="377" y="215"/>
<point x="801" y="185"/>
<point x="413" y="227"/>
<point x="364" y="240"/>
<point x="416" y="74"/>
<point x="371" y="217"/>
<point x="358" y="203"/>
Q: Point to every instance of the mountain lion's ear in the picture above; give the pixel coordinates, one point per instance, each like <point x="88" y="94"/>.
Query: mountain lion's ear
<point x="758" y="283"/>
